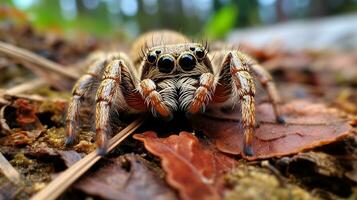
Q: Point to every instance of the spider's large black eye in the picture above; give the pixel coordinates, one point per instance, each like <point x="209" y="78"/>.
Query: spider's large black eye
<point x="200" y="53"/>
<point x="166" y="64"/>
<point x="151" y="58"/>
<point x="187" y="62"/>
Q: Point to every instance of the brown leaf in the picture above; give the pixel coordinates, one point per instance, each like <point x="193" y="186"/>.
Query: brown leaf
<point x="21" y="114"/>
<point x="20" y="138"/>
<point x="307" y="126"/>
<point x="127" y="177"/>
<point x="192" y="168"/>
<point x="69" y="157"/>
<point x="25" y="113"/>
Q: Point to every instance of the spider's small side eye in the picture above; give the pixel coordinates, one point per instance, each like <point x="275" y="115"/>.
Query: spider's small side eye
<point x="200" y="53"/>
<point x="151" y="58"/>
<point x="166" y="64"/>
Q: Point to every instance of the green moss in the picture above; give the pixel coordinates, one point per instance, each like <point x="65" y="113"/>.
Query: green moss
<point x="55" y="137"/>
<point x="35" y="174"/>
<point x="56" y="108"/>
<point x="47" y="92"/>
<point x="253" y="183"/>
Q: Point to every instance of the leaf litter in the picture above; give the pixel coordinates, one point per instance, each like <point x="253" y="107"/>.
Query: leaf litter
<point x="316" y="138"/>
<point x="307" y="126"/>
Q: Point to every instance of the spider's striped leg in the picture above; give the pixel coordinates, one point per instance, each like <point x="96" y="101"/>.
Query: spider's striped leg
<point x="267" y="82"/>
<point x="82" y="90"/>
<point x="236" y="84"/>
<point x="116" y="87"/>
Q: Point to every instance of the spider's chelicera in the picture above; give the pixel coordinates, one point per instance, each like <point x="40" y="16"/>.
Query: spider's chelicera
<point x="173" y="74"/>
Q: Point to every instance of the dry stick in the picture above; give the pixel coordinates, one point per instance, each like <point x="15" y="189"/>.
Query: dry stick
<point x="9" y="171"/>
<point x="66" y="178"/>
<point x="24" y="87"/>
<point x="18" y="89"/>
<point x="23" y="54"/>
<point x="56" y="80"/>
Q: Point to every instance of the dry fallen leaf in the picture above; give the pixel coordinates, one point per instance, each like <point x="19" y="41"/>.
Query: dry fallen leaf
<point x="126" y="177"/>
<point x="20" y="138"/>
<point x="191" y="167"/>
<point x="307" y="126"/>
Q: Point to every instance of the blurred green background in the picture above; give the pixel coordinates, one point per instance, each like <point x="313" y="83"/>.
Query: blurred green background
<point x="209" y="18"/>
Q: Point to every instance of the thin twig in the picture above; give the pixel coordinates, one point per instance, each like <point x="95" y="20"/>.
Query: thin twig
<point x="21" y="88"/>
<point x="25" y="87"/>
<point x="66" y="178"/>
<point x="25" y="55"/>
<point x="9" y="171"/>
<point x="53" y="79"/>
<point x="4" y="127"/>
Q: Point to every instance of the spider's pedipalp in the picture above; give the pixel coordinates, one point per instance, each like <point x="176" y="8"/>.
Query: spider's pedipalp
<point x="154" y="100"/>
<point x="203" y="93"/>
<point x="187" y="89"/>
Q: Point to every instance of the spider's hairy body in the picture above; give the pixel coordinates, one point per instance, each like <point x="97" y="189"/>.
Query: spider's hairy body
<point x="166" y="73"/>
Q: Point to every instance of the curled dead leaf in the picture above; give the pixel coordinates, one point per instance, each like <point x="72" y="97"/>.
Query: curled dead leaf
<point x="307" y="126"/>
<point x="193" y="168"/>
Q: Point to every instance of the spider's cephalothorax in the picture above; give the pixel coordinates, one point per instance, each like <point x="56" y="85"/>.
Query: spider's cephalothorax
<point x="168" y="73"/>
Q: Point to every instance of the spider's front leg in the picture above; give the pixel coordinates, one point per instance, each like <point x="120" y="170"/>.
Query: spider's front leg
<point x="237" y="84"/>
<point x="116" y="93"/>
<point x="153" y="99"/>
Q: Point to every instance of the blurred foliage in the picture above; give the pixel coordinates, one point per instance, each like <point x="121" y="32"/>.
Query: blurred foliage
<point x="210" y="18"/>
<point x="221" y="22"/>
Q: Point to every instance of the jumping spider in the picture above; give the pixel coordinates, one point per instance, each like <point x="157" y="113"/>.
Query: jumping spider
<point x="173" y="74"/>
